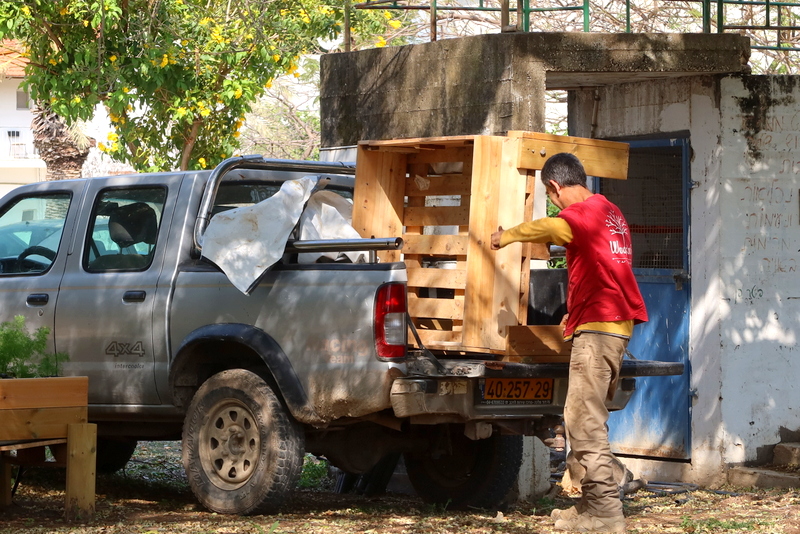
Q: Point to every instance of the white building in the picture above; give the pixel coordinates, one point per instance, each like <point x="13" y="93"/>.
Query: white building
<point x="19" y="163"/>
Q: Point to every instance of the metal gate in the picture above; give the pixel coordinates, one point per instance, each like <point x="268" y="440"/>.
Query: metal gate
<point x="655" y="201"/>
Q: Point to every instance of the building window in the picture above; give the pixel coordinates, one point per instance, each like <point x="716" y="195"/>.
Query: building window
<point x="23" y="102"/>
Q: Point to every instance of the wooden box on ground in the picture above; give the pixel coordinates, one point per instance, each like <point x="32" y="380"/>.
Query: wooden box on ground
<point x="39" y="412"/>
<point x="445" y="196"/>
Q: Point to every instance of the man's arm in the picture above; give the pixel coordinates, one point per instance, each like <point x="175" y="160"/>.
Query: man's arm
<point x="546" y="230"/>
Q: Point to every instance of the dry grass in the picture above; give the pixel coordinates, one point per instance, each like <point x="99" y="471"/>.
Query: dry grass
<point x="151" y="497"/>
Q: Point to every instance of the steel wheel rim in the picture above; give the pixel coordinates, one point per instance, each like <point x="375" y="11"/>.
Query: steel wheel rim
<point x="230" y="444"/>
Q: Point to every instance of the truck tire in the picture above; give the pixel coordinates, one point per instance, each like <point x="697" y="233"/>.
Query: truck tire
<point x="461" y="473"/>
<point x="113" y="454"/>
<point x="242" y="450"/>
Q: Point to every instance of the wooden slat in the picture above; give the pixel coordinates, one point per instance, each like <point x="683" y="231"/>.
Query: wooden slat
<point x="438" y="245"/>
<point x="20" y="445"/>
<point x="606" y="159"/>
<point x="436" y="216"/>
<point x="449" y="184"/>
<point x="440" y="308"/>
<point x="44" y="392"/>
<point x="450" y="140"/>
<point x="537" y="340"/>
<point x="439" y="278"/>
<point x="39" y="423"/>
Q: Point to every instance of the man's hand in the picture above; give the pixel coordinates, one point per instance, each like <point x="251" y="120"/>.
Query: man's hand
<point x="563" y="323"/>
<point x="496" y="238"/>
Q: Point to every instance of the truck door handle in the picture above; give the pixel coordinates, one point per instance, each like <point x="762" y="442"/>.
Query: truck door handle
<point x="134" y="296"/>
<point x="37" y="299"/>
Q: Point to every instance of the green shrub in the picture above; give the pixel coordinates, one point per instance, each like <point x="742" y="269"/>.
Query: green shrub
<point x="23" y="355"/>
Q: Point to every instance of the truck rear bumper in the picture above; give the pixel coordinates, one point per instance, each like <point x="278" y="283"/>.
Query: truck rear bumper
<point x="459" y="393"/>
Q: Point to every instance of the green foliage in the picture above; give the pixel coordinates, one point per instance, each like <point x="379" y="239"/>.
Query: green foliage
<point x="23" y="355"/>
<point x="697" y="526"/>
<point x="555" y="263"/>
<point x="176" y="76"/>
<point x="315" y="471"/>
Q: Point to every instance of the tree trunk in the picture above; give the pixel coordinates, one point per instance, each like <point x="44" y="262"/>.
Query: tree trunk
<point x="63" y="149"/>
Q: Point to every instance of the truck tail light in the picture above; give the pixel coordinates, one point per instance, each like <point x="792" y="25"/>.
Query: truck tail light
<point x="390" y="321"/>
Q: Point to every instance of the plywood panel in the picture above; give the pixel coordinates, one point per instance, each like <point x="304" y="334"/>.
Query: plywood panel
<point x="39" y="423"/>
<point x="606" y="159"/>
<point x="378" y="196"/>
<point x="537" y="340"/>
<point x="44" y="392"/>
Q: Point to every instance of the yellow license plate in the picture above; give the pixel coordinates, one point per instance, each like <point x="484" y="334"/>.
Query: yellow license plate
<point x="518" y="390"/>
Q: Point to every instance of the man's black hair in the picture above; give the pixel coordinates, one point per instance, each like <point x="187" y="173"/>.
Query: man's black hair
<point x="565" y="169"/>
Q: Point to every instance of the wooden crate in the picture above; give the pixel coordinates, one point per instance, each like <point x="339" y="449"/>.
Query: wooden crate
<point x="38" y="412"/>
<point x="445" y="196"/>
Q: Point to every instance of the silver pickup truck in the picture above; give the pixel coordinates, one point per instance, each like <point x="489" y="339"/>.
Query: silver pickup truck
<point x="314" y="359"/>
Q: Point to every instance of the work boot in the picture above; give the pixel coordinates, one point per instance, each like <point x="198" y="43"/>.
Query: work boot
<point x="586" y="522"/>
<point x="567" y="514"/>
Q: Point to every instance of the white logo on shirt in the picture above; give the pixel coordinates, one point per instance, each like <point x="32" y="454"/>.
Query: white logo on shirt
<point x="620" y="251"/>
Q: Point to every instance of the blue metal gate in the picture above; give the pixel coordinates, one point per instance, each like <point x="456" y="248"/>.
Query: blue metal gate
<point x="655" y="200"/>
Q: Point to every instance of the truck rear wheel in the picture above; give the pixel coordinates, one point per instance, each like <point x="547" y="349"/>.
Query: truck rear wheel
<point x="114" y="453"/>
<point x="459" y="473"/>
<point x="242" y="450"/>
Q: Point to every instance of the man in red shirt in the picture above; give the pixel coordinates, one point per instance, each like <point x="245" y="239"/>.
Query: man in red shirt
<point x="603" y="304"/>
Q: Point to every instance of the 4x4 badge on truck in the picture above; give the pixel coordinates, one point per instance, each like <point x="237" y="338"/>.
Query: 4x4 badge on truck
<point x="117" y="348"/>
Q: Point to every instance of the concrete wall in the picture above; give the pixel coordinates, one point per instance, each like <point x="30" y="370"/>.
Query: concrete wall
<point x="744" y="132"/>
<point x="759" y="242"/>
<point x="489" y="84"/>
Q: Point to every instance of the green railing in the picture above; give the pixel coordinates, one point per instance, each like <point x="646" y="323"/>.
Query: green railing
<point x="771" y="16"/>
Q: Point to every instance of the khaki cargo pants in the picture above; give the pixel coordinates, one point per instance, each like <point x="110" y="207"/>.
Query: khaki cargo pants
<point x="593" y="374"/>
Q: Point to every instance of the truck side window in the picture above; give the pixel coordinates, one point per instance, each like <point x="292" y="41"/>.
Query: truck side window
<point x="124" y="229"/>
<point x="30" y="233"/>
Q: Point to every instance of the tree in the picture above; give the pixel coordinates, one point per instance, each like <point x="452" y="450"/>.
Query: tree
<point x="63" y="149"/>
<point x="175" y="76"/>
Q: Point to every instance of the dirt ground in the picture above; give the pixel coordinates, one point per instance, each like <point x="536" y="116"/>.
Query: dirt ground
<point x="151" y="497"/>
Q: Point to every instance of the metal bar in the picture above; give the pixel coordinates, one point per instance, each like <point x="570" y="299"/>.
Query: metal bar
<point x="505" y="16"/>
<point x="346" y="25"/>
<point x="627" y="16"/>
<point x="345" y="245"/>
<point x="254" y="162"/>
<point x="433" y="20"/>
<point x="706" y="16"/>
<point x="586" y="15"/>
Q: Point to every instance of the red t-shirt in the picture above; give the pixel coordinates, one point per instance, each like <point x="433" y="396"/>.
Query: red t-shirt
<point x="602" y="286"/>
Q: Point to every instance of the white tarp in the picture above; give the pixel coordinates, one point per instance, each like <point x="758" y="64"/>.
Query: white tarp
<point x="328" y="215"/>
<point x="246" y="242"/>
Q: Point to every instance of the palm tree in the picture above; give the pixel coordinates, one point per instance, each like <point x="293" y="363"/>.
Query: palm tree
<point x="63" y="148"/>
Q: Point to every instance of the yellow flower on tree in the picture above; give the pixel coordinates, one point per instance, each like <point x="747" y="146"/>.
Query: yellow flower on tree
<point x="112" y="59"/>
<point x="113" y="137"/>
<point x="202" y="162"/>
<point x="237" y="94"/>
<point x="101" y="146"/>
<point x="395" y="24"/>
<point x="381" y="42"/>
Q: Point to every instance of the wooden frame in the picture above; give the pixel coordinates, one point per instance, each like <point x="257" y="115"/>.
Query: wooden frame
<point x="39" y="412"/>
<point x="445" y="196"/>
